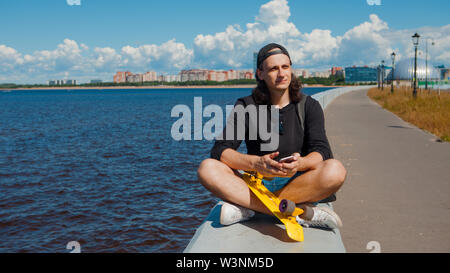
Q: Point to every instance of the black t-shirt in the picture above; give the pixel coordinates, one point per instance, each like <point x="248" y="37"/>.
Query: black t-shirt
<point x="291" y="139"/>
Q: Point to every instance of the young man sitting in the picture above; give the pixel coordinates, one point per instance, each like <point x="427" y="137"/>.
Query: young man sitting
<point x="309" y="177"/>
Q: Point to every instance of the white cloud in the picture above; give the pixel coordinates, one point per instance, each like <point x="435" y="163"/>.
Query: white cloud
<point x="313" y="48"/>
<point x="84" y="47"/>
<point x="106" y="59"/>
<point x="9" y="58"/>
<point x="74" y="2"/>
<point x="169" y="56"/>
<point x="234" y="47"/>
<point x="440" y="51"/>
<point x="364" y="44"/>
<point x="66" y="56"/>
<point x="71" y="58"/>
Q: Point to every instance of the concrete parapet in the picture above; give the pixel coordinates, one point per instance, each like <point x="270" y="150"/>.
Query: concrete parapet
<point x="326" y="97"/>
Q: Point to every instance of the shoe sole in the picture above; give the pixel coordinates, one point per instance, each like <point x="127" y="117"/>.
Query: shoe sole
<point x="222" y="213"/>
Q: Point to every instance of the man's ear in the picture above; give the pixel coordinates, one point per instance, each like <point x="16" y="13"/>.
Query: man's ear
<point x="259" y="72"/>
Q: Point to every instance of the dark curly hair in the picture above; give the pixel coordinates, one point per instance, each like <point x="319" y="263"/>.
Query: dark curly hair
<point x="261" y="93"/>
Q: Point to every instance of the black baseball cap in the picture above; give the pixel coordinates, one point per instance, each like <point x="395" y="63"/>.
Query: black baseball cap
<point x="264" y="54"/>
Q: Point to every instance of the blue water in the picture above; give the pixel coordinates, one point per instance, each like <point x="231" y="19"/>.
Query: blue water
<point x="101" y="168"/>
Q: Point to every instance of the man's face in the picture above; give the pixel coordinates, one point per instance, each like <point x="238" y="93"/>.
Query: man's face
<point x="276" y="72"/>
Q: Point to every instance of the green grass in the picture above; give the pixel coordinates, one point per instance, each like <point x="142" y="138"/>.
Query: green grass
<point x="429" y="111"/>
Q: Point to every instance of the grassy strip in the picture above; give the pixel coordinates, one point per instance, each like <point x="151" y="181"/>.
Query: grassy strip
<point x="430" y="111"/>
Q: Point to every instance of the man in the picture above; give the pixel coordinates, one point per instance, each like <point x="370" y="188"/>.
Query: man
<point x="311" y="176"/>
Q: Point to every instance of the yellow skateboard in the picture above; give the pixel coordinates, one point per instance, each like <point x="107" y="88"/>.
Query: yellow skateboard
<point x="285" y="210"/>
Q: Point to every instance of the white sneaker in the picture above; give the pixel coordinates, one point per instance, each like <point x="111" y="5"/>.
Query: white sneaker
<point x="323" y="217"/>
<point x="231" y="214"/>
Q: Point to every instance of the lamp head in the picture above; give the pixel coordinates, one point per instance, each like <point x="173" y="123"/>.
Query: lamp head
<point x="415" y="39"/>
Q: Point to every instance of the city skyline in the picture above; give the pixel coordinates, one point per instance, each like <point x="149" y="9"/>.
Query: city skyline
<point x="86" y="41"/>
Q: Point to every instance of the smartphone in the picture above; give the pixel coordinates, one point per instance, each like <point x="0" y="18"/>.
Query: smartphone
<point x="287" y="159"/>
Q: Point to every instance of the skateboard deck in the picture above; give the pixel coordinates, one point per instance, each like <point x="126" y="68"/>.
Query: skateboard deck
<point x="293" y="228"/>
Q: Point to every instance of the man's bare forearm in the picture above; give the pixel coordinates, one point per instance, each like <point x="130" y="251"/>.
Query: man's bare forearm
<point x="310" y="160"/>
<point x="238" y="161"/>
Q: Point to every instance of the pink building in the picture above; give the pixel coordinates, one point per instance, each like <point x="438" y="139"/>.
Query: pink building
<point x="121" y="77"/>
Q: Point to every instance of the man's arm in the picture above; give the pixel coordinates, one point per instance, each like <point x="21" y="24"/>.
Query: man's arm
<point x="222" y="144"/>
<point x="301" y="163"/>
<point x="238" y="161"/>
<point x="265" y="165"/>
<point x="315" y="140"/>
<point x="307" y="162"/>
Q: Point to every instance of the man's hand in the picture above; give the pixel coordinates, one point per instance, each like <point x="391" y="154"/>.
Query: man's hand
<point x="293" y="166"/>
<point x="268" y="167"/>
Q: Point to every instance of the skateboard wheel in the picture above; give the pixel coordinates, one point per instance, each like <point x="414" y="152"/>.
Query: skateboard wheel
<point x="287" y="206"/>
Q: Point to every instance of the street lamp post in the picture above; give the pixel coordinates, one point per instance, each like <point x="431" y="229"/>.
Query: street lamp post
<point x="382" y="75"/>
<point x="426" y="63"/>
<point x="392" y="74"/>
<point x="378" y="76"/>
<point x="415" y="38"/>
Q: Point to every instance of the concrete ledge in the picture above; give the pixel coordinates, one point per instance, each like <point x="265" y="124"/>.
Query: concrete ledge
<point x="263" y="233"/>
<point x="326" y="97"/>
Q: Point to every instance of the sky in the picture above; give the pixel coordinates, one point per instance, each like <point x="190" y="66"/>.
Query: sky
<point x="92" y="39"/>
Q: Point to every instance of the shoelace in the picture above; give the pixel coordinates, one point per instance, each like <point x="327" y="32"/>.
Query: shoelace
<point x="320" y="222"/>
<point x="313" y="224"/>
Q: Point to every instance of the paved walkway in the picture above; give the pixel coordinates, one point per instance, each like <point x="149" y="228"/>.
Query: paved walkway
<point x="397" y="190"/>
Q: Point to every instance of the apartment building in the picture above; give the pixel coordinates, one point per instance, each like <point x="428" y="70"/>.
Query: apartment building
<point x="121" y="77"/>
<point x="62" y="82"/>
<point x="135" y="78"/>
<point x="149" y="76"/>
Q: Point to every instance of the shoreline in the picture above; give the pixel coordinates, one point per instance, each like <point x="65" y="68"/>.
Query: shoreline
<point x="151" y="87"/>
<point x="129" y="87"/>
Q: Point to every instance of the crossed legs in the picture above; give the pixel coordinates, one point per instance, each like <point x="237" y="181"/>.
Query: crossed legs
<point x="316" y="184"/>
